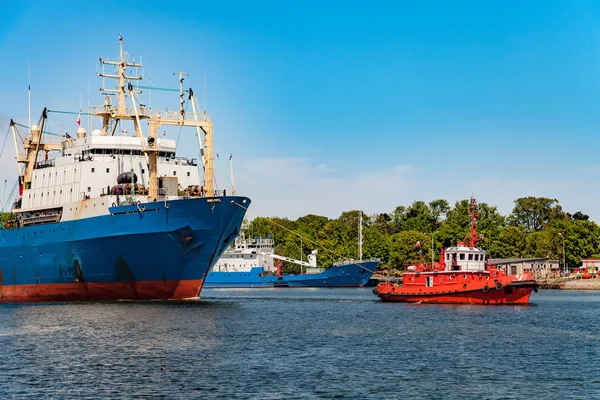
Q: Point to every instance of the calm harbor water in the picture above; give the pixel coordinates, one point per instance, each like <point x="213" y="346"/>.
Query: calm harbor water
<point x="302" y="343"/>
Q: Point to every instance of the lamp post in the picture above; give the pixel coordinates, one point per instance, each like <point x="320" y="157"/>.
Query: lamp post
<point x="564" y="255"/>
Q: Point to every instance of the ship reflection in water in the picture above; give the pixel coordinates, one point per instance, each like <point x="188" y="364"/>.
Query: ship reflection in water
<point x="301" y="343"/>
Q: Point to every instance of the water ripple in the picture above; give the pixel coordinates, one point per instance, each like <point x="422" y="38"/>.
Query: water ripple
<point x="301" y="344"/>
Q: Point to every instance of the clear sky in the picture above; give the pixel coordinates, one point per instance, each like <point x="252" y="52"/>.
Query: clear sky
<point x="333" y="106"/>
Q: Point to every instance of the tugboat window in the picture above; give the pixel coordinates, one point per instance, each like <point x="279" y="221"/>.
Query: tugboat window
<point x="470" y="257"/>
<point x="461" y="256"/>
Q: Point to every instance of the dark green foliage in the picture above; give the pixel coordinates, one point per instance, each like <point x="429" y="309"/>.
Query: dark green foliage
<point x="531" y="230"/>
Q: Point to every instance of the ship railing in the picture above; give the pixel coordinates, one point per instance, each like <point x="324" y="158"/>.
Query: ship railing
<point x="184" y="161"/>
<point x="349" y="261"/>
<point x="41" y="219"/>
<point x="45" y="163"/>
<point x="216" y="193"/>
<point x="174" y="115"/>
<point x="130" y="112"/>
<point x="144" y="112"/>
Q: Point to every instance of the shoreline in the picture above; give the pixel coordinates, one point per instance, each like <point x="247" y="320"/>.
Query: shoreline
<point x="570" y="284"/>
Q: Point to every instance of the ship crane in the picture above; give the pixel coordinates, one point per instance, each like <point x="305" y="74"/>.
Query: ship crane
<point x="32" y="145"/>
<point x="312" y="259"/>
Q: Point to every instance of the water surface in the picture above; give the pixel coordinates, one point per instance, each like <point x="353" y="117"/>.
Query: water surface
<point x="297" y="343"/>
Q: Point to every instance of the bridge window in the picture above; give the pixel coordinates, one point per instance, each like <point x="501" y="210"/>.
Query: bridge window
<point x="93" y="170"/>
<point x="107" y="170"/>
<point x="476" y="257"/>
<point x="461" y="256"/>
<point x="470" y="257"/>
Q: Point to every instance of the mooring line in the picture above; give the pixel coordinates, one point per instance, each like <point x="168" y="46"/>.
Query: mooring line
<point x="310" y="241"/>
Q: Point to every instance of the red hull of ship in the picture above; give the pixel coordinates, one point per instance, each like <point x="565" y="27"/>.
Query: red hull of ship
<point x="518" y="296"/>
<point x="88" y="291"/>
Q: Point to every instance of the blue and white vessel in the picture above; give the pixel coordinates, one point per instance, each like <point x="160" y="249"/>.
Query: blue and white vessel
<point x="111" y="215"/>
<point x="249" y="264"/>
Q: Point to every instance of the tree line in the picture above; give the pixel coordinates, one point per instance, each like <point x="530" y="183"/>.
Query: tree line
<point x="536" y="227"/>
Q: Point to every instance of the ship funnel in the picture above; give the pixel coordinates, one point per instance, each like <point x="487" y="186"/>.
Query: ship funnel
<point x="81" y="132"/>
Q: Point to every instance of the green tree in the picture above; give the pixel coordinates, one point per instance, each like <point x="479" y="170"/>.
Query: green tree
<point x="376" y="245"/>
<point x="510" y="243"/>
<point x="438" y="210"/>
<point x="533" y="213"/>
<point x="403" y="251"/>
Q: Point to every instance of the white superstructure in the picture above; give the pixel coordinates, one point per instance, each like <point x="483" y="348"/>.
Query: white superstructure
<point x="89" y="167"/>
<point x="247" y="254"/>
<point x="80" y="177"/>
<point x="468" y="258"/>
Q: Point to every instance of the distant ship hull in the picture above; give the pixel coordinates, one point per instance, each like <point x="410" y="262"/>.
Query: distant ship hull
<point x="157" y="250"/>
<point x="349" y="275"/>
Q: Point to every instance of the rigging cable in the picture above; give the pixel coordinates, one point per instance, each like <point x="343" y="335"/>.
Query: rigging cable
<point x="4" y="144"/>
<point x="158" y="88"/>
<point x="46" y="132"/>
<point x="181" y="127"/>
<point x="224" y="171"/>
<point x="70" y="112"/>
<point x="10" y="195"/>
<point x="307" y="239"/>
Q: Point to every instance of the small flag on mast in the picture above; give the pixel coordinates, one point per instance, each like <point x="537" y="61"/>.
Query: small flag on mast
<point x="418" y="244"/>
<point x="79" y="119"/>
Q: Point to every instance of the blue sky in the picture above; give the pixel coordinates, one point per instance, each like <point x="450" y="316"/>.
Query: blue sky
<point x="333" y="106"/>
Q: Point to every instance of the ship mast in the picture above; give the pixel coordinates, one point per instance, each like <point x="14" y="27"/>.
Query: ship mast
<point x="156" y="118"/>
<point x="360" y="236"/>
<point x="473" y="239"/>
<point x="107" y="111"/>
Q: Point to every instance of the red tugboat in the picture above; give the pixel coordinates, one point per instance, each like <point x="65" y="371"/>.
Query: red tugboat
<point x="461" y="277"/>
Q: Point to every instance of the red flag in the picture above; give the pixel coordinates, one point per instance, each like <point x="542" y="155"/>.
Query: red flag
<point x="79" y="120"/>
<point x="418" y="244"/>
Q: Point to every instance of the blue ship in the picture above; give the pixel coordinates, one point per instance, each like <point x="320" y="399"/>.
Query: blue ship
<point x="111" y="216"/>
<point x="250" y="265"/>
